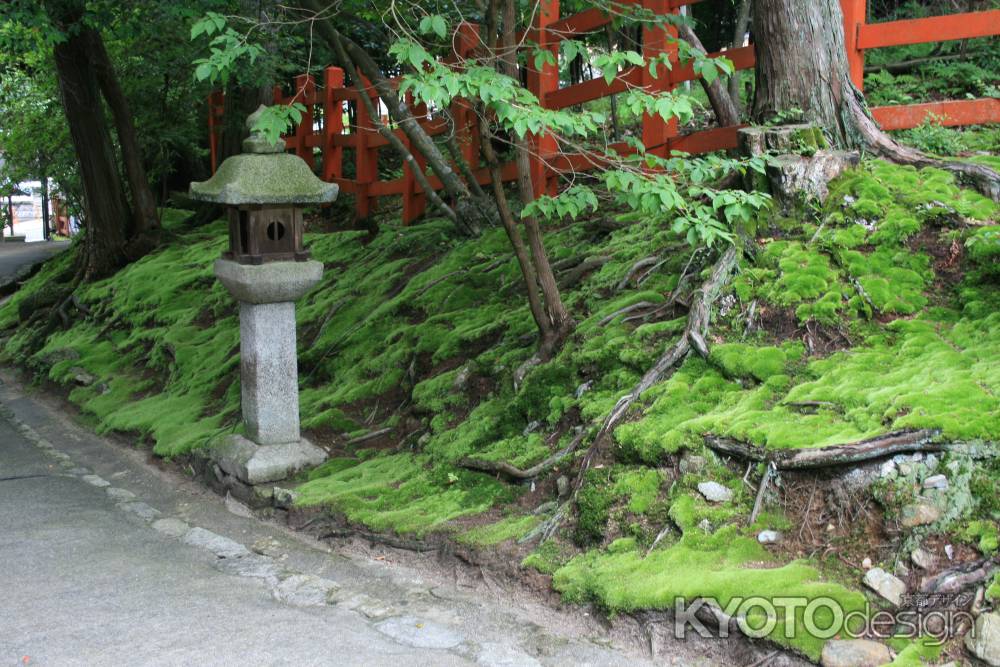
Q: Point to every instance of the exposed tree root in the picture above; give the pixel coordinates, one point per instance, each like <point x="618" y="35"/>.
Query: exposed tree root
<point x="574" y="275"/>
<point x="693" y="337"/>
<point x="960" y="577"/>
<point x="638" y="266"/>
<point x="821" y="457"/>
<point x="986" y="180"/>
<point x="386" y="540"/>
<point x="517" y="473"/>
<point x="642" y="305"/>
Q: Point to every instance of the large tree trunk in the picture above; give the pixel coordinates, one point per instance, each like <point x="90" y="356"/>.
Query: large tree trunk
<point x="144" y="204"/>
<point x="105" y="206"/>
<point x="802" y="65"/>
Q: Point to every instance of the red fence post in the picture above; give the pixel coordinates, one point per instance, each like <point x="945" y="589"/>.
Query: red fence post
<point x="855" y="12"/>
<point x="541" y="83"/>
<point x="656" y="132"/>
<point x="365" y="156"/>
<point x="333" y="123"/>
<point x="467" y="40"/>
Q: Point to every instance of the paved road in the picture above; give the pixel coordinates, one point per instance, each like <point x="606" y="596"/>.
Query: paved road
<point x="105" y="559"/>
<point x="17" y="256"/>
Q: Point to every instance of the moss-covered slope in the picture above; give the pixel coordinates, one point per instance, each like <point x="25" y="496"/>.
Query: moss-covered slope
<point x="875" y="312"/>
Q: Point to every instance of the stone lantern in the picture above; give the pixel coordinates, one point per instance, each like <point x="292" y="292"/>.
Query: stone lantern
<point x="266" y="269"/>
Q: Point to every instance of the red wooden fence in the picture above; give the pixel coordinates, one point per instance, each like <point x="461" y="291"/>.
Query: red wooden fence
<point x="322" y="131"/>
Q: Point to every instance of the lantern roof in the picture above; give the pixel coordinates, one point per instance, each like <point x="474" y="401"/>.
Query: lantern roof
<point x="263" y="174"/>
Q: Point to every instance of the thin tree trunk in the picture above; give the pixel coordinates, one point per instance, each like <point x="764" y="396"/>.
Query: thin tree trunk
<point x="143" y="203"/>
<point x="561" y="322"/>
<point x="46" y="232"/>
<point x="104" y="202"/>
<point x="726" y="112"/>
<point x="802" y="65"/>
<point x="739" y="34"/>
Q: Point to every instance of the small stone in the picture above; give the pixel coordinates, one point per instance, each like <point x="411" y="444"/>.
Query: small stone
<point x="562" y="485"/>
<point x="715" y="492"/>
<point x="82" y="377"/>
<point x="413" y="632"/>
<point x="923" y="558"/>
<point x="94" y="480"/>
<point x="936" y="482"/>
<point x="502" y="655"/>
<point x="769" y="537"/>
<point x="919" y="514"/>
<point x="901" y="569"/>
<point x="223" y="547"/>
<point x="905" y="469"/>
<point x="236" y="507"/>
<point x="886" y="585"/>
<point x="141" y="510"/>
<point x="932" y="462"/>
<point x="171" y="526"/>
<point x="854" y="653"/>
<point x="121" y="495"/>
<point x="304" y="590"/>
<point x="374" y="609"/>
<point x="267" y="546"/>
<point x="253" y="566"/>
<point x="919" y="456"/>
<point x="866" y="563"/>
<point x="705" y="526"/>
<point x="691" y="463"/>
<point x="888" y="469"/>
<point x="283" y="498"/>
<point x="983" y="640"/>
<point x="949" y="551"/>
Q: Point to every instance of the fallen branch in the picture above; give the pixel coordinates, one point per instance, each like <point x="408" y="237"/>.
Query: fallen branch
<point x="627" y="309"/>
<point x="368" y="436"/>
<point x="517" y="473"/>
<point x="821" y="457"/>
<point x="574" y="275"/>
<point x="638" y="266"/>
<point x="758" y="504"/>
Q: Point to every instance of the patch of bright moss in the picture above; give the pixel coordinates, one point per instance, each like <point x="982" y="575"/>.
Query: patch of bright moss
<point x="492" y="534"/>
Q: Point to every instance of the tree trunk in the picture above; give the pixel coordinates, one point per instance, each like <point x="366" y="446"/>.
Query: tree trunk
<point x="802" y="70"/>
<point x="46" y="232"/>
<point x="144" y="204"/>
<point x="739" y="34"/>
<point x="105" y="206"/>
<point x="726" y="112"/>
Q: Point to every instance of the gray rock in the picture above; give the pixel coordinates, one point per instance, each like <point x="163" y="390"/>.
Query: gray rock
<point x="121" y="495"/>
<point x="418" y="633"/>
<point x="888" y="469"/>
<point x="923" y="558"/>
<point x="94" y="480"/>
<point x="854" y="653"/>
<point x="493" y="654"/>
<point x="562" y="485"/>
<point x="141" y="510"/>
<point x="304" y="590"/>
<point x="223" y="547"/>
<point x="705" y="526"/>
<point x="236" y="507"/>
<point x="932" y="462"/>
<point x="715" y="492"/>
<point x="284" y="498"/>
<point x="768" y="537"/>
<point x="886" y="585"/>
<point x="919" y="514"/>
<point x="171" y="526"/>
<point x="691" y="463"/>
<point x="936" y="482"/>
<point x="254" y="567"/>
<point x="82" y="377"/>
<point x="984" y="639"/>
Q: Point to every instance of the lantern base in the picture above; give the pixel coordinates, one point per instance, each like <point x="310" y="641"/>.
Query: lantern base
<point x="256" y="464"/>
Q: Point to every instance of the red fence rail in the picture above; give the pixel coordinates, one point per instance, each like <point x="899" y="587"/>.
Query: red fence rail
<point x="323" y="132"/>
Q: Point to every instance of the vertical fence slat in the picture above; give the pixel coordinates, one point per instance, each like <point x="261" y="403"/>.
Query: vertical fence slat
<point x="333" y="123"/>
<point x="656" y="132"/>
<point x="541" y="83"/>
<point x="305" y="91"/>
<point x="855" y="12"/>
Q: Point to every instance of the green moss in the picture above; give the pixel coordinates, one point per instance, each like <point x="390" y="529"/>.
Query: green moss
<point x="547" y="558"/>
<point x="401" y="493"/>
<point x="700" y="566"/>
<point x="915" y="652"/>
<point x="492" y="534"/>
<point x="745" y="361"/>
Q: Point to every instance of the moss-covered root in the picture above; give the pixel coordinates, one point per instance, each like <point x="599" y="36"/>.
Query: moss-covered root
<point x="693" y="337"/>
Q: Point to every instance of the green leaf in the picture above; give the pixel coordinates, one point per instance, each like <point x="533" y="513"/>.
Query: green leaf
<point x="439" y="26"/>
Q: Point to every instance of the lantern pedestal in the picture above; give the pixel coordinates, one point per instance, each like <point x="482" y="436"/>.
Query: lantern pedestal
<point x="274" y="448"/>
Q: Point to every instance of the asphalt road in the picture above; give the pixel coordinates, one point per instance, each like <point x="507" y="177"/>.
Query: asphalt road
<point x="15" y="257"/>
<point x="106" y="559"/>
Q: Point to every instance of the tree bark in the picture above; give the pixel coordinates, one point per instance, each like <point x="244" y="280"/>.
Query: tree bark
<point x="105" y="205"/>
<point x="726" y="112"/>
<point x="802" y="68"/>
<point x="143" y="203"/>
<point x="739" y="34"/>
<point x="46" y="232"/>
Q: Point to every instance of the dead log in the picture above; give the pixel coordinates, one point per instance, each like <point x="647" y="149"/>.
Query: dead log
<point x="959" y="578"/>
<point x="881" y="446"/>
